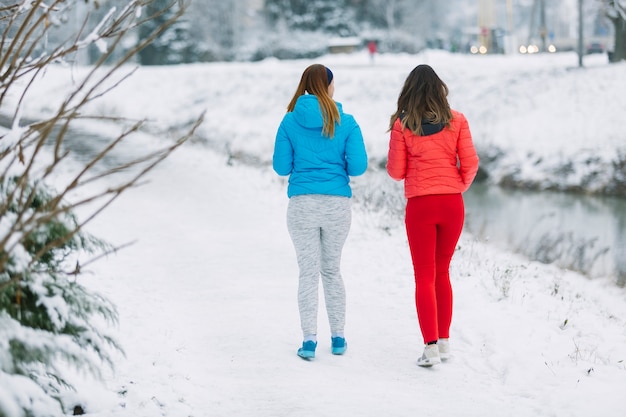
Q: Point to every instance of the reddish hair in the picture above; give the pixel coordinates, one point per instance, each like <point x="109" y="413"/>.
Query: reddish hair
<point x="315" y="81"/>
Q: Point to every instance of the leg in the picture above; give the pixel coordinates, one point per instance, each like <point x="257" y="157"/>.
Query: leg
<point x="448" y="232"/>
<point x="334" y="234"/>
<point x="305" y="234"/>
<point x="422" y="234"/>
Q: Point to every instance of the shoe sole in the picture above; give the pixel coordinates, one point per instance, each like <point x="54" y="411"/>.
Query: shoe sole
<point x="428" y="364"/>
<point x="306" y="355"/>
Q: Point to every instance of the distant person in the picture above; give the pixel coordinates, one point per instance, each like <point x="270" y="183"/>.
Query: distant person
<point x="371" y="47"/>
<point x="431" y="149"/>
<point x="319" y="147"/>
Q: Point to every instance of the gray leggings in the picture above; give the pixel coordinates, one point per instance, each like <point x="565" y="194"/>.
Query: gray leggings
<point x="319" y="225"/>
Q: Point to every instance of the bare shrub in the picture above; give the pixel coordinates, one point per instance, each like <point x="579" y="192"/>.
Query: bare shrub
<point x="47" y="318"/>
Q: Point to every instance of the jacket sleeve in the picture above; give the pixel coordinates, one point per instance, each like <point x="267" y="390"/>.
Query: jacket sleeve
<point x="282" y="159"/>
<point x="468" y="159"/>
<point x="356" y="155"/>
<point x="397" y="156"/>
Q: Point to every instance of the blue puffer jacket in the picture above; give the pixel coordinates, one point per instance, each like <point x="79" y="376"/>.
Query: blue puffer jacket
<point x="315" y="163"/>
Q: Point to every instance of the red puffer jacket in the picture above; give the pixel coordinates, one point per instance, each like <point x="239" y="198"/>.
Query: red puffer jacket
<point x="441" y="163"/>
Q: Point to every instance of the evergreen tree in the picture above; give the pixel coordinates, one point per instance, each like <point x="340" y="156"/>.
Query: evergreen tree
<point x="336" y="17"/>
<point x="174" y="44"/>
<point x="47" y="318"/>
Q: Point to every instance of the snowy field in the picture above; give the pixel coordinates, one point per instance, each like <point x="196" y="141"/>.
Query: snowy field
<point x="538" y="119"/>
<point x="207" y="295"/>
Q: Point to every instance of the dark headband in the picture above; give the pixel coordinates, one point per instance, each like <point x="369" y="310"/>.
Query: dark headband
<point x="329" y="73"/>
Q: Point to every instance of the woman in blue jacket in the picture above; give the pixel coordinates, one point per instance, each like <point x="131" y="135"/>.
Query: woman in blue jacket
<point x="319" y="147"/>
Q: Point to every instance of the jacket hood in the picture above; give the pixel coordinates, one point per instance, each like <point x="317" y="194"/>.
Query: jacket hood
<point x="308" y="113"/>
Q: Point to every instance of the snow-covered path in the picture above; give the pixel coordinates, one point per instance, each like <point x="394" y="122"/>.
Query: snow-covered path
<point x="209" y="322"/>
<point x="207" y="296"/>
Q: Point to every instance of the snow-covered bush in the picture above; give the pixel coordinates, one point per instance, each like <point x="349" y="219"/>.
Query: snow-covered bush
<point x="48" y="319"/>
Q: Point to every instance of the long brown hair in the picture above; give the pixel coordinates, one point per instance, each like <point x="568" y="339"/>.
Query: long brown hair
<point x="424" y="96"/>
<point x="315" y="81"/>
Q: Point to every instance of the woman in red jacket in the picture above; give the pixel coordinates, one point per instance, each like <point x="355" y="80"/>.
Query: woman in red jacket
<point x="431" y="149"/>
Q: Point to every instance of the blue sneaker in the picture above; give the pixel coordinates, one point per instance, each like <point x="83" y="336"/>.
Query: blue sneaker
<point x="307" y="351"/>
<point x="339" y="345"/>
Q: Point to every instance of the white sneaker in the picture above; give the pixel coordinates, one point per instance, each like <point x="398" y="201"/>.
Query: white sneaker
<point x="430" y="356"/>
<point x="444" y="349"/>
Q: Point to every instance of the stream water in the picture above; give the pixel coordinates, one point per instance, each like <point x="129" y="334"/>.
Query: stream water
<point x="579" y="232"/>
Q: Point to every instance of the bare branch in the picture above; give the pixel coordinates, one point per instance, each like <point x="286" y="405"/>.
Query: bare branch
<point x="42" y="150"/>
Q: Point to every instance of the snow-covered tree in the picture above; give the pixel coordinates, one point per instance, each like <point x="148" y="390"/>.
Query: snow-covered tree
<point x="51" y="324"/>
<point x="216" y="26"/>
<point x="335" y="17"/>
<point x="615" y="10"/>
<point x="173" y="44"/>
<point x="46" y="314"/>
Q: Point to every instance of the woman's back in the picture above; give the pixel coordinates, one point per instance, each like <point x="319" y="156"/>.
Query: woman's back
<point x="316" y="163"/>
<point x="444" y="162"/>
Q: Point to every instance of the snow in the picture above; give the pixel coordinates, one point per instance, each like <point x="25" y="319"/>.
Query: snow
<point x="538" y="112"/>
<point x="207" y="296"/>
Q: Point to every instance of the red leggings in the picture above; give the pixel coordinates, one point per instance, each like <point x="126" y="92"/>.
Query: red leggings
<point x="433" y="226"/>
